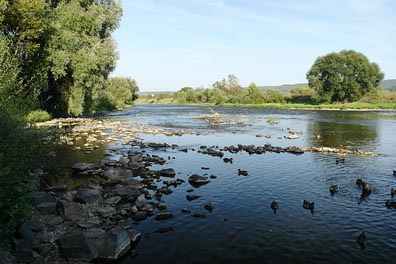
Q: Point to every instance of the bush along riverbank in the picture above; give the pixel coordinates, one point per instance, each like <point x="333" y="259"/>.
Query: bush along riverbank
<point x="92" y="221"/>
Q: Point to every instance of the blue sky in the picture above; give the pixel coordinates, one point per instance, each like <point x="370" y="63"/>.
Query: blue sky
<point x="169" y="44"/>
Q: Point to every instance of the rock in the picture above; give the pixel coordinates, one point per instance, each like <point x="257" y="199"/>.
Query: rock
<point x="70" y="211"/>
<point x="163" y="214"/>
<point x="24" y="252"/>
<point x="134" y="235"/>
<point x="168" y="172"/>
<point x="77" y="246"/>
<point x="164" y="229"/>
<point x="55" y="221"/>
<point x="47" y="208"/>
<point x="140" y="215"/>
<point x="106" y="211"/>
<point x="84" y="166"/>
<point x="29" y="238"/>
<point x="58" y="188"/>
<point x="113" y="244"/>
<point x="112" y="173"/>
<point x="185" y="211"/>
<point x="94" y="233"/>
<point x="6" y="258"/>
<point x="209" y="207"/>
<point x="94" y="223"/>
<point x="37" y="198"/>
<point x="140" y="201"/>
<point x="34" y="225"/>
<point x="191" y="197"/>
<point x="126" y="191"/>
<point x="87" y="195"/>
<point x="112" y="200"/>
<point x="197" y="180"/>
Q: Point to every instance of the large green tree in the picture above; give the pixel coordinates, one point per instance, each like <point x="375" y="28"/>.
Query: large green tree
<point x="343" y="77"/>
<point x="64" y="49"/>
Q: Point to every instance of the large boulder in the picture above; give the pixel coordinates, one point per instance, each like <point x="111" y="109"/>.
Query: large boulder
<point x="77" y="246"/>
<point x="113" y="244"/>
<point x="87" y="195"/>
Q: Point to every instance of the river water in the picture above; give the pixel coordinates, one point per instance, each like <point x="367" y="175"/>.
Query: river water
<point x="242" y="228"/>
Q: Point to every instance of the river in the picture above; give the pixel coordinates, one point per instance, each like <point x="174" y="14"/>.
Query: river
<point x="242" y="228"/>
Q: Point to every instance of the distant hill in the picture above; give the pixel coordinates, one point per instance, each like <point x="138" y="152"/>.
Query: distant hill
<point x="389" y="84"/>
<point x="285" y="88"/>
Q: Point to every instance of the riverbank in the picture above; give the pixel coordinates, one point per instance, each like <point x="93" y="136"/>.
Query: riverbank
<point x="356" y="106"/>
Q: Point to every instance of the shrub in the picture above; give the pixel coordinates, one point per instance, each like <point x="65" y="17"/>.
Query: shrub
<point x="19" y="148"/>
<point x="38" y="116"/>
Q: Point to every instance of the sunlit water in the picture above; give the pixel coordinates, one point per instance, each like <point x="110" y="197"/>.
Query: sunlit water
<point x="242" y="228"/>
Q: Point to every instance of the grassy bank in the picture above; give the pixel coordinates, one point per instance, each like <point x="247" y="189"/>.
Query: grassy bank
<point x="361" y="106"/>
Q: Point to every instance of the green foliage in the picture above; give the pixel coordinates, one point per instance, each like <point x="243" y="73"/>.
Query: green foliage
<point x="301" y="95"/>
<point x="254" y="95"/>
<point x="273" y="96"/>
<point x="118" y="93"/>
<point x="63" y="51"/>
<point x="19" y="152"/>
<point x="343" y="76"/>
<point x="38" y="116"/>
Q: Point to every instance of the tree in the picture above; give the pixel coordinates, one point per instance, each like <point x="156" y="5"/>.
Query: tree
<point x="118" y="93"/>
<point x="343" y="77"/>
<point x="81" y="53"/>
<point x="254" y="95"/>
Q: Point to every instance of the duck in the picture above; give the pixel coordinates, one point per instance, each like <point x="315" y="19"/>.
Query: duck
<point x="359" y="182"/>
<point x="334" y="189"/>
<point x="366" y="188"/>
<point x="393" y="192"/>
<point x="243" y="172"/>
<point x="308" y="205"/>
<point x="394" y="172"/>
<point x="274" y="206"/>
<point x="340" y="160"/>
<point x="227" y="160"/>
<point x="390" y="204"/>
<point x="362" y="240"/>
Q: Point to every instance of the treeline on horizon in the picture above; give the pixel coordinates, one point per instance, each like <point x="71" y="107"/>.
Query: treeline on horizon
<point x="343" y="77"/>
<point x="231" y="93"/>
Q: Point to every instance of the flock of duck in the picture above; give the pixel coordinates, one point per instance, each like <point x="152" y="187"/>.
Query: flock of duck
<point x="366" y="190"/>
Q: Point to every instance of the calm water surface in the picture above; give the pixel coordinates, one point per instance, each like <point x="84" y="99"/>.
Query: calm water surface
<point x="242" y="227"/>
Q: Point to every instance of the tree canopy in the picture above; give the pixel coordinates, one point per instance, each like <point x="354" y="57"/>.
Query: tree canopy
<point x="343" y="77"/>
<point x="62" y="49"/>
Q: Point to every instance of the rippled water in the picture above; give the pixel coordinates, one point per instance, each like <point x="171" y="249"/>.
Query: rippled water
<point x="242" y="226"/>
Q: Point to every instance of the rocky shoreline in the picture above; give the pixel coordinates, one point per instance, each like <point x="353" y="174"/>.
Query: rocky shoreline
<point x="93" y="221"/>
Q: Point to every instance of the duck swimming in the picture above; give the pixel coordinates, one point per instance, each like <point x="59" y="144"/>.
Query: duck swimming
<point x="394" y="172"/>
<point x="366" y="189"/>
<point x="334" y="189"/>
<point x="242" y="172"/>
<point x="390" y="204"/>
<point x="359" y="182"/>
<point x="340" y="160"/>
<point x="308" y="205"/>
<point x="362" y="240"/>
<point x="274" y="206"/>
